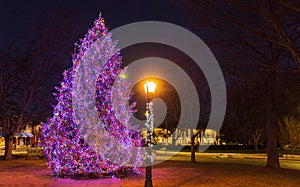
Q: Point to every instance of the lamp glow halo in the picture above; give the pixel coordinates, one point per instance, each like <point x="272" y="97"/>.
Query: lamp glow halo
<point x="187" y="42"/>
<point x="164" y="69"/>
<point x="155" y="32"/>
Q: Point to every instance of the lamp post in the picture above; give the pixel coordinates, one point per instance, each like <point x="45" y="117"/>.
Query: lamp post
<point x="149" y="88"/>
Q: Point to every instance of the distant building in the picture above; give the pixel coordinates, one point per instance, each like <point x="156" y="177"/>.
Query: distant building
<point x="2" y="142"/>
<point x="183" y="137"/>
<point x="26" y="136"/>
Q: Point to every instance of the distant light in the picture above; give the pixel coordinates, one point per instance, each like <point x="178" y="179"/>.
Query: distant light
<point x="123" y="76"/>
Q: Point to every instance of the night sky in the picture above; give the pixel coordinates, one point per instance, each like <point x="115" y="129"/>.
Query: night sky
<point x="18" y="16"/>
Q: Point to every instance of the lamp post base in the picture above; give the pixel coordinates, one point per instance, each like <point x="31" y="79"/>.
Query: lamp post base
<point x="148" y="182"/>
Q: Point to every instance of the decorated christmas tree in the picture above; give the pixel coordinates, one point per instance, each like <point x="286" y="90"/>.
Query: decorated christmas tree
<point x="89" y="133"/>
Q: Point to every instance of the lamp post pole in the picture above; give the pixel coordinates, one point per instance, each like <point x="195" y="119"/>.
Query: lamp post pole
<point x="149" y="88"/>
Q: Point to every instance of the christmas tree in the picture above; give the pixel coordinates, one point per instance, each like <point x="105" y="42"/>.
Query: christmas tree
<point x="79" y="141"/>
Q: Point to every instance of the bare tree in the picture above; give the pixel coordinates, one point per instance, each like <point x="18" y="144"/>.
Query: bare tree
<point x="173" y="117"/>
<point x="201" y="126"/>
<point x="20" y="81"/>
<point x="257" y="36"/>
<point x="256" y="137"/>
<point x="26" y="74"/>
<point x="289" y="130"/>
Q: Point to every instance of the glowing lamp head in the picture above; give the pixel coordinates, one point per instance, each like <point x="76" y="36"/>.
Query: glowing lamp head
<point x="150" y="86"/>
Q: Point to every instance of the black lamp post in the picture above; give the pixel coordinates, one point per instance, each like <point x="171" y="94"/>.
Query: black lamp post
<point x="149" y="88"/>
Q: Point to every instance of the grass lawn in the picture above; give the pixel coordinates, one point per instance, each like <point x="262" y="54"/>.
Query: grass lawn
<point x="217" y="172"/>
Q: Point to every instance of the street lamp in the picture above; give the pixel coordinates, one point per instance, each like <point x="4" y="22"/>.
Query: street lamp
<point x="149" y="88"/>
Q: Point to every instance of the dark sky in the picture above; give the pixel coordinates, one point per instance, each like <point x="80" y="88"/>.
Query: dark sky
<point x="18" y="16"/>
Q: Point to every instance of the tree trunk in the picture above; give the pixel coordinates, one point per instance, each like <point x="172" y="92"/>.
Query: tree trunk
<point x="148" y="182"/>
<point x="255" y="146"/>
<point x="273" y="161"/>
<point x="271" y="125"/>
<point x="8" y="148"/>
<point x="173" y="138"/>
<point x="193" y="157"/>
